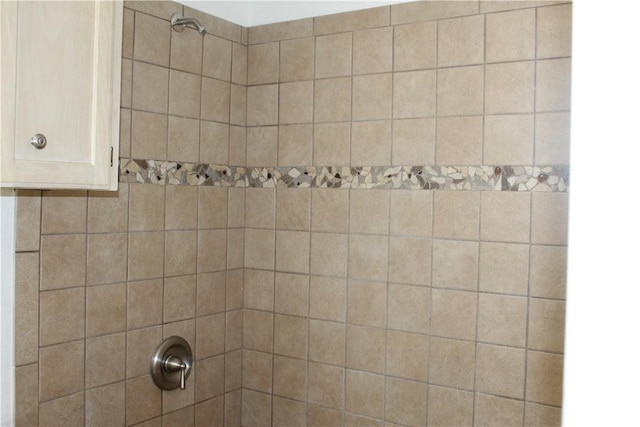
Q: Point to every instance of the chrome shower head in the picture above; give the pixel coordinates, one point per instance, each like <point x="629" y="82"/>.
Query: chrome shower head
<point x="178" y="23"/>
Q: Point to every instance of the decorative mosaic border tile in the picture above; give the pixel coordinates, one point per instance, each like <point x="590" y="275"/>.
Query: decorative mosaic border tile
<point x="554" y="178"/>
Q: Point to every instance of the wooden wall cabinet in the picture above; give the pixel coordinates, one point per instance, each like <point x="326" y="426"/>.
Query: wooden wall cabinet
<point x="60" y="78"/>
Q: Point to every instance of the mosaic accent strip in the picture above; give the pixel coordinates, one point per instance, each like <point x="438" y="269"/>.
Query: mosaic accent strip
<point x="554" y="178"/>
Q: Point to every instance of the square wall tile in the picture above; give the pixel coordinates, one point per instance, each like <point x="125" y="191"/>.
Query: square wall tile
<point x="144" y="303"/>
<point x="263" y="60"/>
<point x="152" y="40"/>
<point x="260" y="209"/>
<point x="368" y="257"/>
<point x="546" y="325"/>
<point x="289" y="378"/>
<point x="447" y="406"/>
<point x="238" y="107"/>
<point x="452" y="363"/>
<point x="500" y="370"/>
<point x="327" y="342"/>
<point x="125" y="133"/>
<point x="292" y="251"/>
<point x="184" y="94"/>
<point x="511" y="36"/>
<point x="215" y="100"/>
<point x="504" y="268"/>
<point x="180" y="252"/>
<point x="212" y="251"/>
<point x="179" y="298"/>
<point x="552" y="144"/>
<point x="296" y="102"/>
<point x="553" y="85"/>
<point x="461" y="41"/>
<point x="27" y="306"/>
<point x="106" y="309"/>
<point x="372" y="50"/>
<point x="332" y="100"/>
<point x="257" y="331"/>
<point x="537" y="415"/>
<point x="407" y="355"/>
<point x="256" y="407"/>
<point x="259" y="251"/>
<point x="512" y="227"/>
<point x="126" y="83"/>
<point x="502" y="319"/>
<point x="508" y="139"/>
<point x="150" y="91"/>
<point x="292" y="294"/>
<point x="405" y="402"/>
<point x="350" y="21"/>
<point x="239" y="64"/>
<point x="262" y="105"/>
<point x="237" y="145"/>
<point x="456" y="214"/>
<point x="372" y="96"/>
<point x="262" y="146"/>
<point x="146" y="255"/>
<point x="548" y="278"/>
<point x="183" y="139"/>
<point x="291" y="335"/>
<point x="414" y="94"/>
<point x="127" y="33"/>
<point x="459" y="140"/>
<point x="460" y="91"/>
<point x="62" y="261"/>
<point x="408" y="308"/>
<point x="186" y="50"/>
<point x="214" y="142"/>
<point x="549" y="218"/>
<point x="371" y="143"/>
<point x="64" y="211"/>
<point x="329" y="254"/>
<point x="182" y="205"/>
<point x="455" y="264"/>
<point x="149" y="402"/>
<point x="297" y="59"/>
<point x="213" y="295"/>
<point x="554" y="31"/>
<point x="367" y="303"/>
<point x="453" y="314"/>
<point x="216" y="58"/>
<point x="146" y="207"/>
<point x="331" y="144"/>
<point x="59" y="379"/>
<point x="330" y="210"/>
<point x="62" y="314"/>
<point x="366" y="348"/>
<point x="293" y="209"/>
<point x="411" y="213"/>
<point x="498" y="411"/>
<point x="28" y="220"/>
<point x="327" y="298"/>
<point x="67" y="410"/>
<point x="105" y="404"/>
<point x="369" y="212"/>
<point x="210" y="338"/>
<point x="414" y="141"/>
<point x="140" y="343"/>
<point x="106" y="258"/>
<point x="365" y="394"/>
<point x="544" y="378"/>
<point x="510" y="88"/>
<point x="326" y="385"/>
<point x="295" y="145"/>
<point x="333" y="55"/>
<point x="414" y="46"/>
<point x="148" y="135"/>
<point x="406" y="263"/>
<point x="210" y="380"/>
<point x="105" y="360"/>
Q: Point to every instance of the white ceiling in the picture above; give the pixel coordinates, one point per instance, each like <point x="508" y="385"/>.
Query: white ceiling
<point x="259" y="12"/>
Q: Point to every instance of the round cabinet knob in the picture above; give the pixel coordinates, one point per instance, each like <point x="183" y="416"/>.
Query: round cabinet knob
<point x="38" y="140"/>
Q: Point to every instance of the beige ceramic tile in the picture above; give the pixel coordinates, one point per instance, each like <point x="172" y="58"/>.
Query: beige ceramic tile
<point x="27" y="298"/>
<point x="546" y="325"/>
<point x="105" y="360"/>
<point x="368" y="256"/>
<point x="455" y="264"/>
<point x="461" y="41"/>
<point x="151" y="40"/>
<point x="146" y="207"/>
<point x="59" y="379"/>
<point x="214" y="142"/>
<point x="257" y="330"/>
<point x="233" y="370"/>
<point x="510" y="88"/>
<point x="108" y="211"/>
<point x="413" y="142"/>
<point x="263" y="60"/>
<point x="238" y="107"/>
<point x="209" y="382"/>
<point x="552" y="138"/>
<point x="297" y="59"/>
<point x="212" y="251"/>
<point x="237" y="145"/>
<point x="106" y="258"/>
<point x="149" y="401"/>
<point x="262" y="105"/>
<point x="331" y="144"/>
<point x="140" y="343"/>
<point x="414" y="94"/>
<point x="281" y="31"/>
<point x="366" y="348"/>
<point x="548" y="277"/>
<point x="372" y="96"/>
<point x="211" y="286"/>
<point x="511" y="36"/>
<point x="349" y="21"/>
<point x="28" y="220"/>
<point x="186" y="50"/>
<point x="369" y="212"/>
<point x="512" y="227"/>
<point x="405" y="261"/>
<point x="239" y="64"/>
<point x="500" y="370"/>
<point x="289" y="377"/>
<point x="295" y="145"/>
<point x="367" y="303"/>
<point x="150" y="87"/>
<point x="64" y="211"/>
<point x="554" y="31"/>
<point x="407" y="355"/>
<point x="408" y="308"/>
<point x="215" y="100"/>
<point x="451" y="363"/>
<point x="148" y="135"/>
<point x="127" y="33"/>
<point x="330" y="210"/>
<point x="451" y="407"/>
<point x="405" y="402"/>
<point x="125" y="133"/>
<point x="257" y="371"/>
<point x="414" y="46"/>
<point x="144" y="303"/>
<point x="233" y="408"/>
<point x="508" y="139"/>
<point x="459" y="140"/>
<point x="329" y="254"/>
<point x="502" y="319"/>
<point x="333" y="55"/>
<point x="553" y="85"/>
<point x="216" y="58"/>
<point x="256" y="408"/>
<point x="327" y="298"/>
<point x="411" y="213"/>
<point x="291" y="335"/>
<point x="68" y="410"/>
<point x="327" y="342"/>
<point x="259" y="289"/>
<point x="288" y="412"/>
<point x="544" y="378"/>
<point x="126" y="83"/>
<point x="106" y="309"/>
<point x="426" y="11"/>
<point x="146" y="255"/>
<point x="296" y="102"/>
<point x="209" y="411"/>
<point x="105" y="405"/>
<point x="184" y="94"/>
<point x="332" y="100"/>
<point x="292" y="251"/>
<point x="453" y="314"/>
<point x="365" y="394"/>
<point x="549" y="218"/>
<point x="62" y="262"/>
<point x="235" y="248"/>
<point x="233" y="334"/>
<point x="181" y="251"/>
<point x="260" y="210"/>
<point x="293" y="209"/>
<point x="183" y="139"/>
<point x="321" y="416"/>
<point x="179" y="298"/>
<point x="537" y="415"/>
<point x="456" y="214"/>
<point x="373" y="50"/>
<point x="371" y="143"/>
<point x="181" y="207"/>
<point x="460" y="91"/>
<point x="504" y="268"/>
<point x="292" y="294"/>
<point x="262" y="146"/>
<point x="326" y="385"/>
<point x="498" y="411"/>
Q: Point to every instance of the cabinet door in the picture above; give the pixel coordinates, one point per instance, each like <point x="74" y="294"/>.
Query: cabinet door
<point x="61" y="79"/>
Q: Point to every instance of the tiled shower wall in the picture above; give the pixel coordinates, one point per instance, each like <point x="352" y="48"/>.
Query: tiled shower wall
<point x="103" y="277"/>
<point x="400" y="306"/>
<point x="313" y="306"/>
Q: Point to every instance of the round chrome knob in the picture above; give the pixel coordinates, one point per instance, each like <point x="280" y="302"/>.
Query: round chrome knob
<point x="38" y="140"/>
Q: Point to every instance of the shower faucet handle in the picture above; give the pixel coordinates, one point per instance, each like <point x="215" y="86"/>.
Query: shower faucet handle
<point x="174" y="364"/>
<point x="171" y="363"/>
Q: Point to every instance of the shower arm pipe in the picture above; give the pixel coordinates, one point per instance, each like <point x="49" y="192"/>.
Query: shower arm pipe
<point x="178" y="22"/>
